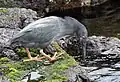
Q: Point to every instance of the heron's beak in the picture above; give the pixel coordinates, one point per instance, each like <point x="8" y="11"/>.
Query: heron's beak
<point x="84" y="42"/>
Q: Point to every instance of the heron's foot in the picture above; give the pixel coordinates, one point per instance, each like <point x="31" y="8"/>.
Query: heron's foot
<point x="53" y="58"/>
<point x="35" y="58"/>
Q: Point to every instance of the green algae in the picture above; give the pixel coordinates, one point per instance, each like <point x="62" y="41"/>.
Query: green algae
<point x="53" y="72"/>
<point x="3" y="10"/>
<point x="4" y="60"/>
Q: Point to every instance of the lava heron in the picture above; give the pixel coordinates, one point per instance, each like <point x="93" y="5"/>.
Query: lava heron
<point x="42" y="32"/>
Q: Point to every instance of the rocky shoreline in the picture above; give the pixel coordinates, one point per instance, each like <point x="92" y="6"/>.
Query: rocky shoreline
<point x="103" y="53"/>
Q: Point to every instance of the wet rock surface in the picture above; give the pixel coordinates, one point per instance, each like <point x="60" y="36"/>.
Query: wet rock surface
<point x="106" y="50"/>
<point x="104" y="74"/>
<point x="102" y="52"/>
<point x="77" y="73"/>
<point x="106" y="60"/>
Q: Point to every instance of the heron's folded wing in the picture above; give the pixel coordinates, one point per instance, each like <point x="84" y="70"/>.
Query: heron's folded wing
<point x="40" y="33"/>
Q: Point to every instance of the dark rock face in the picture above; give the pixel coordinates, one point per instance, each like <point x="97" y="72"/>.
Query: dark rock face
<point x="37" y="5"/>
<point x="101" y="50"/>
<point x="106" y="49"/>
<point x="11" y="20"/>
<point x="103" y="19"/>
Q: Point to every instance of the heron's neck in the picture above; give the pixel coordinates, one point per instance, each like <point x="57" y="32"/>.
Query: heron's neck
<point x="82" y="31"/>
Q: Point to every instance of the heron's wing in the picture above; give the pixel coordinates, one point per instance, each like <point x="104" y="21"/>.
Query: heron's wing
<point x="39" y="33"/>
<point x="48" y="32"/>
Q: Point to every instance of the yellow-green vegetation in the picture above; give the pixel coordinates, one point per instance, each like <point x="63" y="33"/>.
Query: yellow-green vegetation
<point x="22" y="52"/>
<point x="3" y="60"/>
<point x="15" y="70"/>
<point x="4" y="10"/>
<point x="54" y="72"/>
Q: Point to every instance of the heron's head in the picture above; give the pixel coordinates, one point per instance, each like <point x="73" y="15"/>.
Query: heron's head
<point x="76" y="27"/>
<point x="81" y="31"/>
<point x="82" y="35"/>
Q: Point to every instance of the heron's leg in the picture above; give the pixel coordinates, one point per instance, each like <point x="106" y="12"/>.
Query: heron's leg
<point x="33" y="58"/>
<point x="28" y="52"/>
<point x="51" y="59"/>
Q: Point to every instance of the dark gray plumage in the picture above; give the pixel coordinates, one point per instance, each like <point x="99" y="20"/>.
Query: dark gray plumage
<point x="43" y="31"/>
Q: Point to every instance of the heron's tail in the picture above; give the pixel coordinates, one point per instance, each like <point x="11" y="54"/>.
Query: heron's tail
<point x="13" y="43"/>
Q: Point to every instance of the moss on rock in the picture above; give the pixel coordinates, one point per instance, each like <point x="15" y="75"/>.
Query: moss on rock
<point x="4" y="60"/>
<point x="22" y="52"/>
<point x="53" y="72"/>
<point x="3" y="10"/>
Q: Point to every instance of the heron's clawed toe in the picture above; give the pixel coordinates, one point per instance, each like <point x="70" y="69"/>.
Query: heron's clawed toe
<point x="35" y="58"/>
<point x="55" y="57"/>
